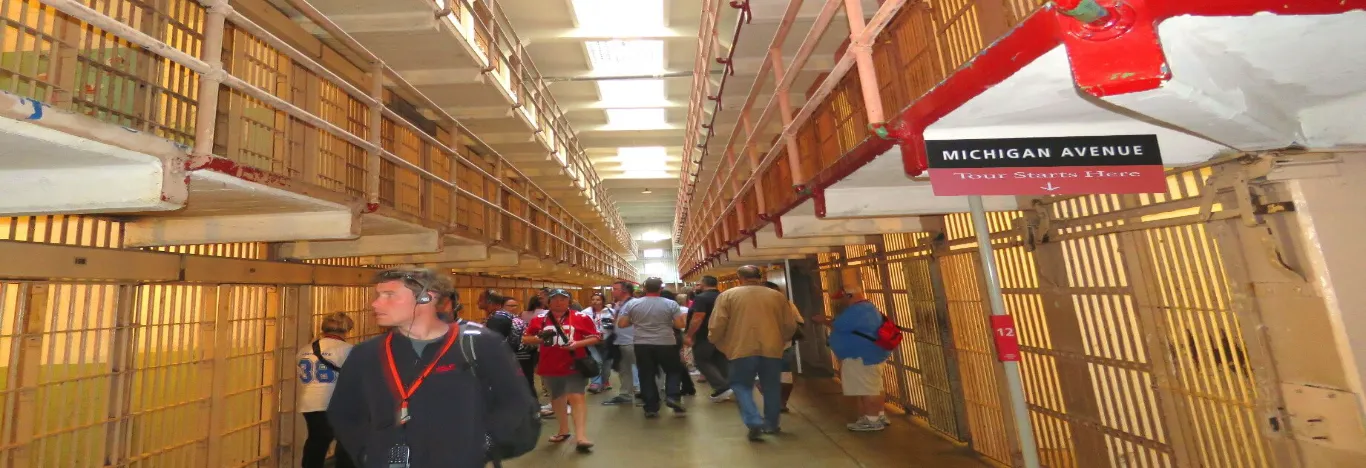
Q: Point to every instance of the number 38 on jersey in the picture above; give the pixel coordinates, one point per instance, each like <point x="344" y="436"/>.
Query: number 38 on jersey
<point x="311" y="371"/>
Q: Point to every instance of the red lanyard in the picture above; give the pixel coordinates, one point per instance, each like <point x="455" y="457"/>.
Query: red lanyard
<point x="404" y="394"/>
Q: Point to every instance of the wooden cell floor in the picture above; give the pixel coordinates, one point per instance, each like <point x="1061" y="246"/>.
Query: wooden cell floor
<point x="711" y="435"/>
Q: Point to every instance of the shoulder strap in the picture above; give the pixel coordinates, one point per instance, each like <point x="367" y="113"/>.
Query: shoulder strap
<point x="556" y="324"/>
<point x="318" y="353"/>
<point x="560" y="331"/>
<point x="467" y="349"/>
<point x="868" y="337"/>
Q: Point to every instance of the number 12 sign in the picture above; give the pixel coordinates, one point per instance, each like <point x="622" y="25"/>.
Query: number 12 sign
<point x="1007" y="343"/>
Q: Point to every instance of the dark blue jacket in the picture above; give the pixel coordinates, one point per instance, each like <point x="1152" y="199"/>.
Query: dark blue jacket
<point x="450" y="414"/>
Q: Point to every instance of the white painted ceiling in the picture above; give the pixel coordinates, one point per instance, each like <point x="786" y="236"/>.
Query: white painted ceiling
<point x="633" y="129"/>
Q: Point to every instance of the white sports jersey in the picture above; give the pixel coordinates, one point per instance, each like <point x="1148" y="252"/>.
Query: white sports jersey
<point x="316" y="379"/>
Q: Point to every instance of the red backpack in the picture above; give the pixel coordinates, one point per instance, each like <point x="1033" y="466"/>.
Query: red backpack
<point x="888" y="334"/>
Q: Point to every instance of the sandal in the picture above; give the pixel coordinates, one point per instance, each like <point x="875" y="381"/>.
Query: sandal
<point x="557" y="438"/>
<point x="584" y="447"/>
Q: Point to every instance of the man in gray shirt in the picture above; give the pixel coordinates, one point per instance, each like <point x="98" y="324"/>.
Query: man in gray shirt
<point x="656" y="346"/>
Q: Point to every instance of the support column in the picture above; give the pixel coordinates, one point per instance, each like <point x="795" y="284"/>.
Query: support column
<point x="215" y="333"/>
<point x="296" y="325"/>
<point x="374" y="134"/>
<point x="863" y="58"/>
<point x="785" y="111"/>
<point x="453" y="158"/>
<point x="271" y="371"/>
<point x="24" y="416"/>
<point x="118" y="429"/>
<point x="1024" y="430"/>
<point x="206" y="114"/>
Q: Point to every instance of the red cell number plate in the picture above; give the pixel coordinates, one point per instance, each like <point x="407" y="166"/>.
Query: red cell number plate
<point x="1007" y="340"/>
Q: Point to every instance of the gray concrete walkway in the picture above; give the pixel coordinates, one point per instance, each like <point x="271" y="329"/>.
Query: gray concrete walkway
<point x="711" y="435"/>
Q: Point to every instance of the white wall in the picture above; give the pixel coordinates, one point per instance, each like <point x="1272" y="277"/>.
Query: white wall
<point x="665" y="266"/>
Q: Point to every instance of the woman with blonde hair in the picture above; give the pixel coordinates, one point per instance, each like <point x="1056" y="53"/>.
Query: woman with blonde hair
<point x="319" y="364"/>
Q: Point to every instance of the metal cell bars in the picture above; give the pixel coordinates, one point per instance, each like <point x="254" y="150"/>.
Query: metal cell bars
<point x="51" y="57"/>
<point x="354" y="301"/>
<point x="902" y="311"/>
<point x="13" y="297"/>
<point x="256" y="133"/>
<point x="235" y="139"/>
<point x="829" y="279"/>
<point x="85" y="231"/>
<point x="438" y="197"/>
<point x="938" y="382"/>
<point x="29" y="34"/>
<point x="168" y="388"/>
<point x="976" y="355"/>
<point x="1211" y="379"/>
<point x="1019" y="9"/>
<point x="958" y="33"/>
<point x="1039" y="371"/>
<point x="906" y="363"/>
<point x="340" y="164"/>
<point x="398" y="188"/>
<point x="910" y="47"/>
<point x="247" y="402"/>
<point x="498" y="43"/>
<point x="56" y="346"/>
<point x="246" y="250"/>
<point x="338" y="261"/>
<point x="1116" y="354"/>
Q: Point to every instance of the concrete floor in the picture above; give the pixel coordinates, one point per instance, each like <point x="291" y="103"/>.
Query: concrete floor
<point x="711" y="435"/>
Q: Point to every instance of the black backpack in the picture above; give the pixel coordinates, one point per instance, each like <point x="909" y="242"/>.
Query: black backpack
<point x="526" y="432"/>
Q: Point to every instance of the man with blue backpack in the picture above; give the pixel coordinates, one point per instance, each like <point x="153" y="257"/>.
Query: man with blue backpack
<point x="862" y="337"/>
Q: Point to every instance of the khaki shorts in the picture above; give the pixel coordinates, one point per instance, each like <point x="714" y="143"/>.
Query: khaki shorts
<point x="860" y="379"/>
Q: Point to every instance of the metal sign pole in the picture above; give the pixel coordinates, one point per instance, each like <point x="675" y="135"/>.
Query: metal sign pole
<point x="787" y="273"/>
<point x="1028" y="449"/>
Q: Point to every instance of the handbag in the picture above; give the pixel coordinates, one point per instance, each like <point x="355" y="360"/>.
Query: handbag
<point x="586" y="365"/>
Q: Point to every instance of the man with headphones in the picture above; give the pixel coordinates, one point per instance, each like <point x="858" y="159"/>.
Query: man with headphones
<point x="427" y="393"/>
<point x="448" y="310"/>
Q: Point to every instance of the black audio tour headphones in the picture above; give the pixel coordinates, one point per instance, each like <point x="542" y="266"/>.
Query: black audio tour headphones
<point x="424" y="294"/>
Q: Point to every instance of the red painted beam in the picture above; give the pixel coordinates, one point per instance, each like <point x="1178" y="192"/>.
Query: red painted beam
<point x="1117" y="54"/>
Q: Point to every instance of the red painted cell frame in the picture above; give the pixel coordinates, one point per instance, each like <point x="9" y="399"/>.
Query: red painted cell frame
<point x="1130" y="62"/>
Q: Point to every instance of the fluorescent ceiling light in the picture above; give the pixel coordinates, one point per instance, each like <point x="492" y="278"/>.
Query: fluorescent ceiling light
<point x="636" y="119"/>
<point x="618" y="14"/>
<point x="643" y="159"/>
<point x="641" y="152"/>
<point x="638" y="57"/>
<point x="631" y="92"/>
<point x="651" y="236"/>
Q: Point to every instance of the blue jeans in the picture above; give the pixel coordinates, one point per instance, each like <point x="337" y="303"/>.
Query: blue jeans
<point x="769" y="371"/>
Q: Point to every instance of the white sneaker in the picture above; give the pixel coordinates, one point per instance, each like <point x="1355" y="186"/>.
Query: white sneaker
<point x="723" y="396"/>
<point x="866" y="425"/>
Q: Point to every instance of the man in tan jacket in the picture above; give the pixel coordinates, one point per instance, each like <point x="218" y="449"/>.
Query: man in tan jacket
<point x="752" y="324"/>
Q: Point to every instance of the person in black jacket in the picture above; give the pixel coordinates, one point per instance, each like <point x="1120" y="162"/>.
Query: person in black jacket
<point x="439" y="413"/>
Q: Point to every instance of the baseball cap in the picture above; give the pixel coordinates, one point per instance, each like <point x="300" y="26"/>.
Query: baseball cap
<point x="558" y="292"/>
